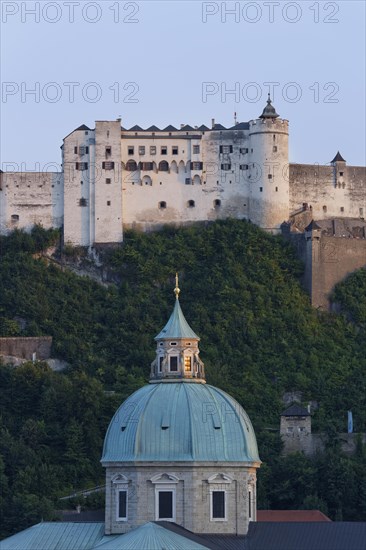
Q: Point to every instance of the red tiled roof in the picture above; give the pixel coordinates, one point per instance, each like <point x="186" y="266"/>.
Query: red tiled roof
<point x="291" y="515"/>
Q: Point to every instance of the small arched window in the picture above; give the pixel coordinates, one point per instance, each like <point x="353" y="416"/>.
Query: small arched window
<point x="217" y="203"/>
<point x="324" y="208"/>
<point x="162" y="204"/>
<point x="163" y="166"/>
<point x="131" y="166"/>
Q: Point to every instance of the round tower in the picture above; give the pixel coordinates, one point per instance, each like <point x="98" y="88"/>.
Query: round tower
<point x="179" y="449"/>
<point x="268" y="169"/>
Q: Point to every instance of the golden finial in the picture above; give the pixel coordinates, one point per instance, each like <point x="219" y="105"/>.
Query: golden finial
<point x="177" y="289"/>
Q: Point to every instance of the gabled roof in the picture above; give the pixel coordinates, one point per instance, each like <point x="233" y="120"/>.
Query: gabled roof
<point x="219" y="127"/>
<point x="203" y="128"/>
<point x="170" y="128"/>
<point x="312" y="225"/>
<point x="56" y="536"/>
<point x="187" y="127"/>
<point x="240" y="126"/>
<point x="153" y="129"/>
<point x="82" y="127"/>
<point x="306" y="536"/>
<point x="291" y="515"/>
<point x="136" y="128"/>
<point x="295" y="410"/>
<point x="177" y="326"/>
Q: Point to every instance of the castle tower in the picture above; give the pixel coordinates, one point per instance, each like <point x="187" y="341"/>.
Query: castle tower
<point x="179" y="449"/>
<point x="269" y="169"/>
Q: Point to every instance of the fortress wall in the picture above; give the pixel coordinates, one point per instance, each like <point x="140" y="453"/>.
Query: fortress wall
<point x="310" y="444"/>
<point x="28" y="198"/>
<point x="25" y="347"/>
<point x="328" y="193"/>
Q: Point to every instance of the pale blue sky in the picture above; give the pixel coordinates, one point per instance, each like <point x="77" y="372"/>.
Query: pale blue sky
<point x="168" y="54"/>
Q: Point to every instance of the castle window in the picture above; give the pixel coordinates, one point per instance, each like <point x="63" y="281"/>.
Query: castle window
<point x="217" y="203"/>
<point x="162" y="204"/>
<point x="274" y="137"/>
<point x="131" y="166"/>
<point x="341" y="173"/>
<point x="81" y="183"/>
<point x="83" y="202"/>
<point x="163" y="166"/>
<point x="225" y="149"/>
<point x="108" y="180"/>
<point x="261" y="189"/>
<point x="191" y="204"/>
<point x="122" y="506"/>
<point x="14" y="218"/>
<point x="81" y="165"/>
<point x="188" y="181"/>
<point x="165" y="505"/>
<point x="342" y="208"/>
<point x="187" y="363"/>
<point x="108" y="152"/>
<point x="108" y="165"/>
<point x="250" y="505"/>
<point x="83" y="150"/>
<point x="244" y="150"/>
<point x="108" y="203"/>
<point x="196" y="149"/>
<point x="161" y="359"/>
<point x="173" y="363"/>
<point x="130" y="150"/>
<point x="244" y="167"/>
<point x="226" y="166"/>
<point x="218" y="505"/>
<point x="276" y="188"/>
<point x="324" y="208"/>
<point x="86" y="133"/>
<point x="75" y="150"/>
<point x="152" y="150"/>
<point x="164" y="150"/>
<point x="141" y="150"/>
<point x="174" y="150"/>
<point x="269" y="176"/>
<point x="251" y="150"/>
<point x="173" y="343"/>
<point x="275" y="148"/>
<point x="196" y="165"/>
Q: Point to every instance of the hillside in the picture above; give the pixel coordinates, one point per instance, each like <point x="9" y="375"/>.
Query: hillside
<point x="259" y="338"/>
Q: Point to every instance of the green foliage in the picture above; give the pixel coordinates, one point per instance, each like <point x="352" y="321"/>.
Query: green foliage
<point x="259" y="338"/>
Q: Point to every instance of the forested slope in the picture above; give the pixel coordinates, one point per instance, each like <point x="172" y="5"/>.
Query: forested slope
<point x="259" y="338"/>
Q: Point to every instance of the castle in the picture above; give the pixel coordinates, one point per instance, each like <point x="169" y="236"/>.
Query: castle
<point x="113" y="179"/>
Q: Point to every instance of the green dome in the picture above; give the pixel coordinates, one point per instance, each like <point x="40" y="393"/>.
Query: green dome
<point x="180" y="421"/>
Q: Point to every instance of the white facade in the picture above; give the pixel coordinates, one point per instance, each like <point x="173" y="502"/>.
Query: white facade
<point x="115" y="179"/>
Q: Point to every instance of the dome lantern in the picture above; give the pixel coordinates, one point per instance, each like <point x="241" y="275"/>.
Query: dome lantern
<point x="177" y="352"/>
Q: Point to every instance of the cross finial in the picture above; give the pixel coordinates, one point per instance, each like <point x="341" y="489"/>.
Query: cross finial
<point x="177" y="289"/>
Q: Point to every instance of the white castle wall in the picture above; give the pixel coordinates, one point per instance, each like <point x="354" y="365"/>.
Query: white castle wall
<point x="243" y="173"/>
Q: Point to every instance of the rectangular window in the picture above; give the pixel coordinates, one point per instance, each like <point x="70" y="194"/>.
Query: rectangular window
<point x="250" y="505"/>
<point x="188" y="181"/>
<point x="244" y="150"/>
<point x="174" y="150"/>
<point x="196" y="149"/>
<point x="244" y="167"/>
<point x="108" y="203"/>
<point x="218" y="505"/>
<point x="225" y="149"/>
<point x="108" y="165"/>
<point x="122" y="505"/>
<point x="226" y="166"/>
<point x="164" y="150"/>
<point x="187" y="363"/>
<point x="83" y="202"/>
<point x="108" y="152"/>
<point x="261" y="189"/>
<point x="81" y="165"/>
<point x="141" y="149"/>
<point x="275" y="148"/>
<point x="196" y="165"/>
<point x="152" y="150"/>
<point x="342" y="208"/>
<point x="130" y="150"/>
<point x="165" y="504"/>
<point x="161" y="359"/>
<point x="75" y="150"/>
<point x="174" y="364"/>
<point x="108" y="180"/>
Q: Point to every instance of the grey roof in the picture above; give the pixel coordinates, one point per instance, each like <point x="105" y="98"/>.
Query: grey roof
<point x="338" y="158"/>
<point x="170" y="128"/>
<point x="187" y="127"/>
<point x="269" y="111"/>
<point x="312" y="225"/>
<point x="203" y="128"/>
<point x="82" y="127"/>
<point x="219" y="127"/>
<point x="306" y="536"/>
<point x="295" y="410"/>
<point x="136" y="128"/>
<point x="240" y="126"/>
<point x="153" y="129"/>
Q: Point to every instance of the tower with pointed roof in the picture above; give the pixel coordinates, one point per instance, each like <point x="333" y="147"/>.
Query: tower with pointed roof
<point x="269" y="165"/>
<point x="179" y="449"/>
